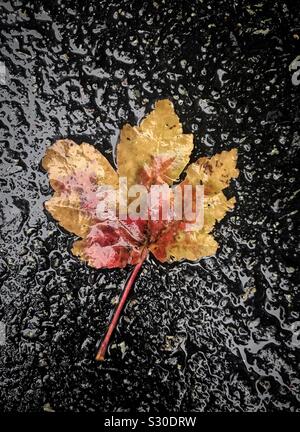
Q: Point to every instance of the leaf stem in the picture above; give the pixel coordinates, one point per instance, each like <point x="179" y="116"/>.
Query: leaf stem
<point x="103" y="347"/>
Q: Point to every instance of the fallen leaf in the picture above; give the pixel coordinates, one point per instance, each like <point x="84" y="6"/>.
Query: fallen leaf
<point x="156" y="152"/>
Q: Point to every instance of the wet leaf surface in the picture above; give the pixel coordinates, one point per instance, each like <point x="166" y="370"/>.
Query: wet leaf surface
<point x="155" y="153"/>
<point x="219" y="335"/>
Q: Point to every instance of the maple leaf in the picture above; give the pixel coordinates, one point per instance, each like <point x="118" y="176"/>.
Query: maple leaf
<point x="154" y="153"/>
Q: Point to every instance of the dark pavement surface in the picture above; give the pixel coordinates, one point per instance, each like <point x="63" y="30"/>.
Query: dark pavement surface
<point x="219" y="335"/>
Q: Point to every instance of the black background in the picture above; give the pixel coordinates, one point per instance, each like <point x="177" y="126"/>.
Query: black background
<point x="219" y="335"/>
